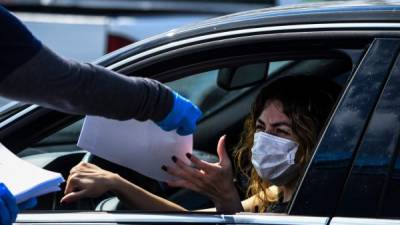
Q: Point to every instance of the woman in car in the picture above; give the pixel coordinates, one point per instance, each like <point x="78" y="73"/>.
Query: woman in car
<point x="276" y="145"/>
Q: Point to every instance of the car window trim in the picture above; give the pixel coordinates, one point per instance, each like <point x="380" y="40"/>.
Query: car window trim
<point x="251" y="31"/>
<point x="362" y="221"/>
<point x="21" y="113"/>
<point x="162" y="218"/>
<point x="234" y="60"/>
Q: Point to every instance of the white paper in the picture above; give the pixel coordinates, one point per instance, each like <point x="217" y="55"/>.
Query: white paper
<point x="26" y="180"/>
<point x="140" y="146"/>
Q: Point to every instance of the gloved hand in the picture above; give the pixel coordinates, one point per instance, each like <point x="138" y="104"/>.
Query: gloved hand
<point x="182" y="117"/>
<point x="8" y="206"/>
<point x="28" y="204"/>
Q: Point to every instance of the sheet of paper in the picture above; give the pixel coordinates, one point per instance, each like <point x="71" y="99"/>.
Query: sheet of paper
<point x="26" y="180"/>
<point x="140" y="146"/>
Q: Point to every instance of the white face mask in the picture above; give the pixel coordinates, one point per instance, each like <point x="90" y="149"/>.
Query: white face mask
<point x="273" y="158"/>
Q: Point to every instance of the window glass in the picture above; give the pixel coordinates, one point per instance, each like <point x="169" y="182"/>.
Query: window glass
<point x="373" y="186"/>
<point x="388" y="147"/>
<point x="63" y="140"/>
<point x="201" y="89"/>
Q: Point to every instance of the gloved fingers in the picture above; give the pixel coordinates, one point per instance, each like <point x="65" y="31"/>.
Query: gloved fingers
<point x="171" y="121"/>
<point x="183" y="116"/>
<point x="28" y="204"/>
<point x="186" y="129"/>
<point x="188" y="125"/>
<point x="5" y="218"/>
<point x="9" y="201"/>
<point x="168" y="127"/>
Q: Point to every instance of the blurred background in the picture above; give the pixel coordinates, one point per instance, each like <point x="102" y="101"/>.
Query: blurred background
<point x="87" y="29"/>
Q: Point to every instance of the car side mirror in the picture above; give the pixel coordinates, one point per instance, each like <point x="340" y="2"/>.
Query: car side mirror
<point x="242" y="76"/>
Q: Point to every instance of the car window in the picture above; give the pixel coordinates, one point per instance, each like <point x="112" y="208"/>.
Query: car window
<point x="201" y="88"/>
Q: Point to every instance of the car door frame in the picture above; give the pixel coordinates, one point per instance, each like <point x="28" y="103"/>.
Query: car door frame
<point x="166" y="218"/>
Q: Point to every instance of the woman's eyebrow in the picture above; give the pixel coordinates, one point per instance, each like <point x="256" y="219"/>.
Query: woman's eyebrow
<point x="284" y="123"/>
<point x="260" y="121"/>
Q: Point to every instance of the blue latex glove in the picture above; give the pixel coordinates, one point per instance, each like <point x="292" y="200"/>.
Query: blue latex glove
<point x="182" y="117"/>
<point x="28" y="204"/>
<point x="8" y="206"/>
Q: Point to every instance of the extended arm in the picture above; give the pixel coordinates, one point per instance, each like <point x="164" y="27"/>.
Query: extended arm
<point x="78" y="88"/>
<point x="31" y="73"/>
<point x="137" y="198"/>
<point x="88" y="180"/>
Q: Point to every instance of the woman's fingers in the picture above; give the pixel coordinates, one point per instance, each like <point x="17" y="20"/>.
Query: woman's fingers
<point x="77" y="173"/>
<point x="184" y="171"/>
<point x="70" y="185"/>
<point x="221" y="151"/>
<point x="73" y="196"/>
<point x="191" y="178"/>
<point x="74" y="181"/>
<point x="198" y="163"/>
<point x="84" y="167"/>
<point x="87" y="180"/>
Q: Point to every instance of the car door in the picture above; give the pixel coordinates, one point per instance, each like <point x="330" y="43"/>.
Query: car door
<point x="172" y="65"/>
<point x="354" y="172"/>
<point x="372" y="187"/>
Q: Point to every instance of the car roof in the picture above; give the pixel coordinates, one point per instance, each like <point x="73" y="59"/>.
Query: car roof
<point x="312" y="13"/>
<point x="323" y="12"/>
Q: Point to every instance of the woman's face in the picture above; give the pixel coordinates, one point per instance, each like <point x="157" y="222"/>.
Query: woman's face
<point x="273" y="121"/>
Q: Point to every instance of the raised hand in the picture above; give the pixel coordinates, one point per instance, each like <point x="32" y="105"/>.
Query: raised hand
<point x="214" y="180"/>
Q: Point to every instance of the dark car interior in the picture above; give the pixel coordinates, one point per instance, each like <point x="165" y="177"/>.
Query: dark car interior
<point x="224" y="92"/>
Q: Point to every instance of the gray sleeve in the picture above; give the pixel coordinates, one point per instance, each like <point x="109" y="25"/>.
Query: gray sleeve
<point x="78" y="88"/>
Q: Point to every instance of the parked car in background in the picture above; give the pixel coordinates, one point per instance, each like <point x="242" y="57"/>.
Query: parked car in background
<point x="354" y="174"/>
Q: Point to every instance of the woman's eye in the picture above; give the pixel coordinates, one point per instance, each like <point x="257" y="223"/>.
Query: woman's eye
<point x="284" y="132"/>
<point x="259" y="128"/>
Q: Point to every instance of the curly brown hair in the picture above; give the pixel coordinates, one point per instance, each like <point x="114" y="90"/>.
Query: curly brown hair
<point x="307" y="102"/>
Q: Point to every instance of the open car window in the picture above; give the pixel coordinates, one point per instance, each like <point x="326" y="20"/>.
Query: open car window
<point x="58" y="152"/>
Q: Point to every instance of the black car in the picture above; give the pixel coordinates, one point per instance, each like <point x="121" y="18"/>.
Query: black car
<point x="354" y="174"/>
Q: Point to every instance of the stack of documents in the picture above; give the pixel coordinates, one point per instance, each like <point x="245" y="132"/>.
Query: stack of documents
<point x="140" y="146"/>
<point x="26" y="180"/>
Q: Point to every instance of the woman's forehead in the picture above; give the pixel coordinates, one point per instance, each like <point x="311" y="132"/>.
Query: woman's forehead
<point x="273" y="113"/>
